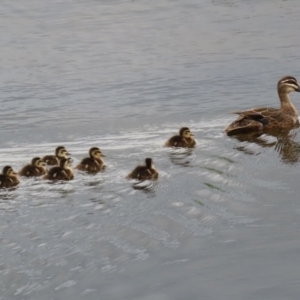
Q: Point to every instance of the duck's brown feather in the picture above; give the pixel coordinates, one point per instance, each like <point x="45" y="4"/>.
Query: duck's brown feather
<point x="260" y="119"/>
<point x="8" y="181"/>
<point x="179" y="141"/>
<point x="90" y="165"/>
<point x="51" y="160"/>
<point x="32" y="171"/>
<point x="143" y="173"/>
<point x="57" y="173"/>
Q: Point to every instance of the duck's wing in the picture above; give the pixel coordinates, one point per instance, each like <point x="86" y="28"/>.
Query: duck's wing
<point x="253" y="120"/>
<point x="55" y="173"/>
<point x="176" y="141"/>
<point x="84" y="164"/>
<point x="25" y="171"/>
<point x="88" y="164"/>
<point x="140" y="172"/>
<point x="5" y="181"/>
<point x="2" y="180"/>
<point x="259" y="112"/>
<point x="154" y="174"/>
<point x="50" y="160"/>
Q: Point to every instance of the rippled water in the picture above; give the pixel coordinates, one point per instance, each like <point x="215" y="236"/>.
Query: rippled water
<point x="222" y="221"/>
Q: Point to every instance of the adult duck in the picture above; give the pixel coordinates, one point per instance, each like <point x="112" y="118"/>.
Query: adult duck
<point x="263" y="119"/>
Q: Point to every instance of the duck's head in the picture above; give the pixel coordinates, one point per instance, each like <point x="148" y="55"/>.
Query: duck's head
<point x="61" y="152"/>
<point x="288" y="84"/>
<point x="8" y="171"/>
<point x="95" y="152"/>
<point x="37" y="162"/>
<point x="149" y="163"/>
<point x="65" y="163"/>
<point x="185" y="132"/>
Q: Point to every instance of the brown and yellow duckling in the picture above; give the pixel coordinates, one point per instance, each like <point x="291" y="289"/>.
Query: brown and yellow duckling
<point x="144" y="172"/>
<point x="53" y="160"/>
<point x="184" y="139"/>
<point x="36" y="168"/>
<point x="61" y="172"/>
<point x="264" y="119"/>
<point x="8" y="178"/>
<point x="94" y="163"/>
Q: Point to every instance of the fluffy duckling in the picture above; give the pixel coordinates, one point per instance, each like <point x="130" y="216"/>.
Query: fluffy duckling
<point x="36" y="168"/>
<point x="184" y="139"/>
<point x="144" y="172"/>
<point x="53" y="160"/>
<point x="94" y="163"/>
<point x="8" y="178"/>
<point x="61" y="172"/>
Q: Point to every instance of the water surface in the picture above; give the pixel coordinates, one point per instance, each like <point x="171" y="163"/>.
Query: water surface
<point x="221" y="222"/>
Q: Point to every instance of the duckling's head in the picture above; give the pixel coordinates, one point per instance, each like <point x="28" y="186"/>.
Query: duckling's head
<point x="288" y="84"/>
<point x="37" y="162"/>
<point x="95" y="152"/>
<point x="8" y="171"/>
<point x="149" y="163"/>
<point x="61" y="151"/>
<point x="185" y="132"/>
<point x="65" y="163"/>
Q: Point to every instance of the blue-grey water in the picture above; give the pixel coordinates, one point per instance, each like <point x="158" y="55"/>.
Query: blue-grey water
<point x="222" y="222"/>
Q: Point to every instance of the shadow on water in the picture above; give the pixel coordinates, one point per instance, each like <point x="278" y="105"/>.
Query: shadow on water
<point x="285" y="144"/>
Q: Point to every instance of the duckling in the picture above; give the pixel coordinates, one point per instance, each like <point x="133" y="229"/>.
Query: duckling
<point x="61" y="172"/>
<point x="94" y="163"/>
<point x="36" y="168"/>
<point x="260" y="120"/>
<point x="53" y="160"/>
<point x="144" y="172"/>
<point x="8" y="178"/>
<point x="184" y="139"/>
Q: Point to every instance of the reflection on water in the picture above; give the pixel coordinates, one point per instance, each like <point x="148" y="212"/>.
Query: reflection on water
<point x="8" y="194"/>
<point x="181" y="156"/>
<point x="284" y="142"/>
<point x="146" y="186"/>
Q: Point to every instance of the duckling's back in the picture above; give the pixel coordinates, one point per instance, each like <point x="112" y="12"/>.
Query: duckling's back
<point x="57" y="173"/>
<point x="51" y="160"/>
<point x="32" y="171"/>
<point x="176" y="141"/>
<point x="90" y="165"/>
<point x="7" y="181"/>
<point x="143" y="173"/>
